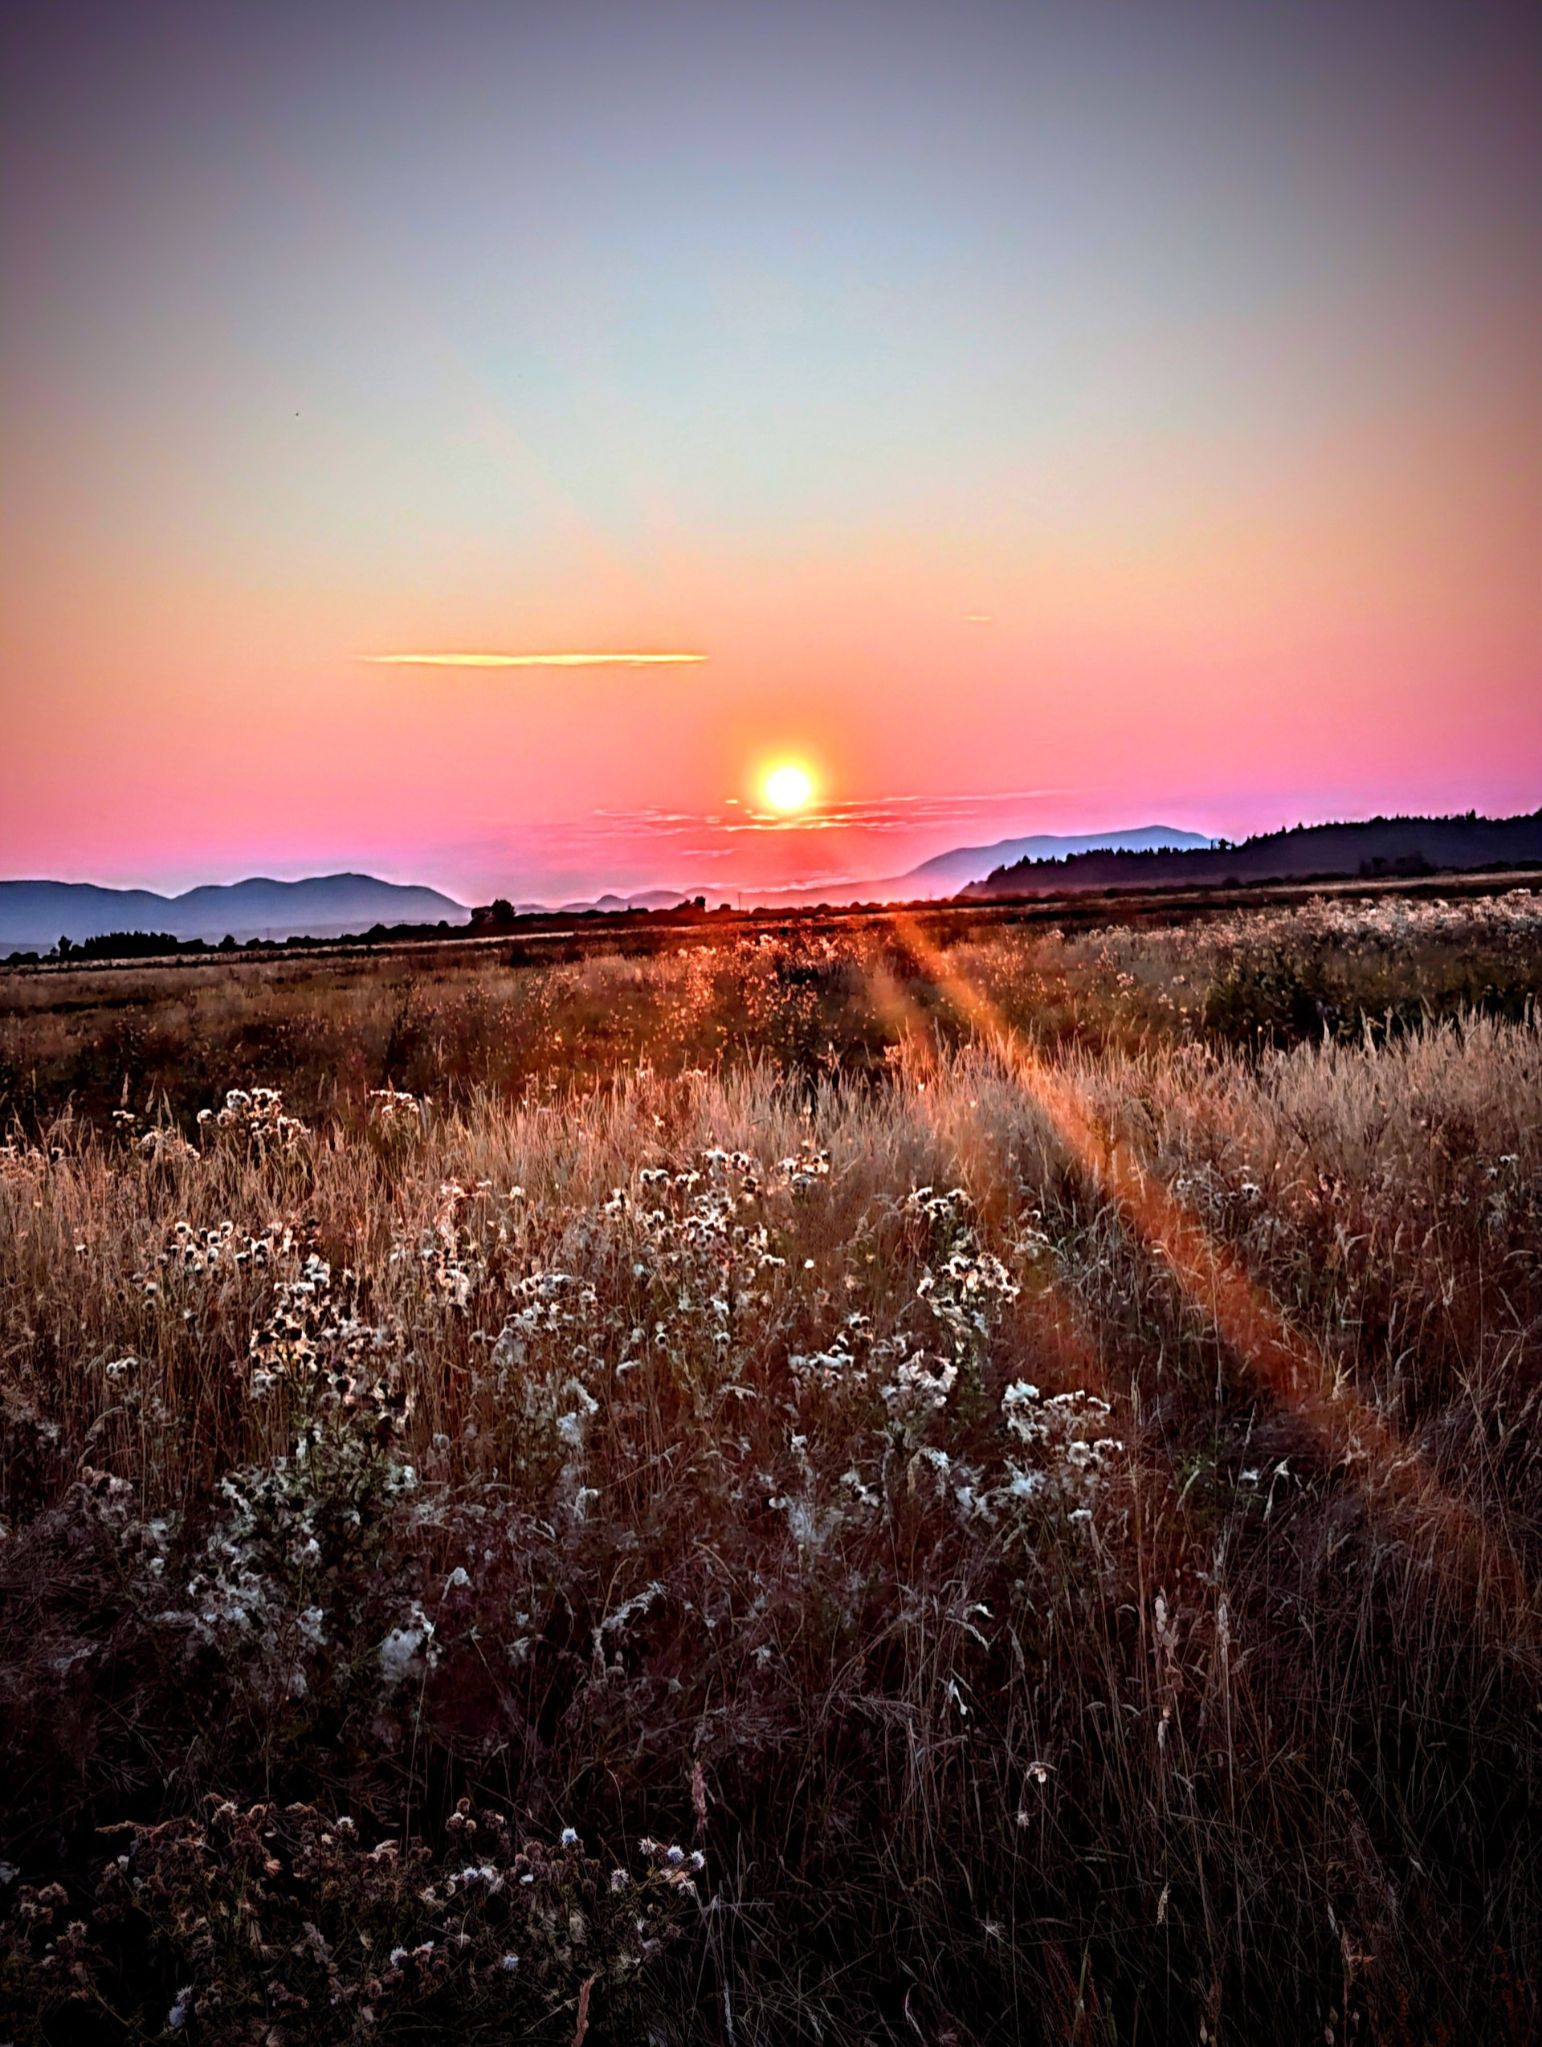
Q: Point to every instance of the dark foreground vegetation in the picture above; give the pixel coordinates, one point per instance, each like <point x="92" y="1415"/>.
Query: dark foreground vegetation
<point x="813" y="1486"/>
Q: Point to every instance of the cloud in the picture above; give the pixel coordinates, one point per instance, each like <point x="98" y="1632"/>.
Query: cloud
<point x="622" y="848"/>
<point x="628" y="660"/>
<point x="879" y="815"/>
<point x="891" y="813"/>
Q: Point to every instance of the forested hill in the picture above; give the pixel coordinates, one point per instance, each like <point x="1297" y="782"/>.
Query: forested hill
<point x="1375" y="846"/>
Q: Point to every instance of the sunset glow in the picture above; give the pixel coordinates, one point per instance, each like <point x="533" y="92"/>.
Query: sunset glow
<point x="770" y="1090"/>
<point x="788" y="787"/>
<point x="452" y="455"/>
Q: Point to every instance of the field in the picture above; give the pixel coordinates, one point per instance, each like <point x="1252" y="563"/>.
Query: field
<point x="931" y="1479"/>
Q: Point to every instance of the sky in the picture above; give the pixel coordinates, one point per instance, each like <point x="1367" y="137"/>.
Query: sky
<point x="1031" y="418"/>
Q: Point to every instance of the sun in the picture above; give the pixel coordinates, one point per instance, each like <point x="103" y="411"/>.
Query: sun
<point x="787" y="787"/>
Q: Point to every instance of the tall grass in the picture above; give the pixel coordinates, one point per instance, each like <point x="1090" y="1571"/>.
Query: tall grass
<point x="970" y="1546"/>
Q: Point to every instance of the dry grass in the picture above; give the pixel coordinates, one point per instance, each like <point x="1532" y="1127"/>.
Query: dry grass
<point x="1016" y="1457"/>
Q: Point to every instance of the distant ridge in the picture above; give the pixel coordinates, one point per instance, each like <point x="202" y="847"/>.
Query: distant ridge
<point x="1373" y="847"/>
<point x="34" y="915"/>
<point x="637" y="899"/>
<point x="973" y="863"/>
<point x="945" y="874"/>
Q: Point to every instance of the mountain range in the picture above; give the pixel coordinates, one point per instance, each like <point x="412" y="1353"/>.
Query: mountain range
<point x="1368" y="848"/>
<point x="943" y="875"/>
<point x="945" y="872"/>
<point x="35" y="914"/>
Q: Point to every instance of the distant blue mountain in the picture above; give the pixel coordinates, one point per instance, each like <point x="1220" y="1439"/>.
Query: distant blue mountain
<point x="34" y="915"/>
<point x="972" y="863"/>
<point x="946" y="874"/>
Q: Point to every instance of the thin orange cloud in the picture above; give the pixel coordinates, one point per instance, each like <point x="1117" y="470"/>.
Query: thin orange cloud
<point x="533" y="660"/>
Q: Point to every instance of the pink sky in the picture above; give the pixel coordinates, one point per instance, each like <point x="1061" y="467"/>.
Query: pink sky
<point x="1034" y="425"/>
